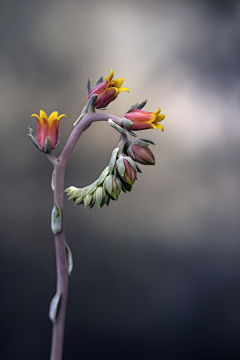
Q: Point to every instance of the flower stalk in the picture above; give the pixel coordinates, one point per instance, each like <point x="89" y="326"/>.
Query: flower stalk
<point x="59" y="238"/>
<point x="119" y="176"/>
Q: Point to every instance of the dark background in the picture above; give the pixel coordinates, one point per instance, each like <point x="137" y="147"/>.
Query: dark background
<point x="156" y="275"/>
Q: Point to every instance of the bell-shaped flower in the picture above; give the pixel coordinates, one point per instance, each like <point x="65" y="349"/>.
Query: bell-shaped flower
<point x="47" y="128"/>
<point x="107" y="91"/>
<point x="141" y="154"/>
<point x="126" y="171"/>
<point x="141" y="120"/>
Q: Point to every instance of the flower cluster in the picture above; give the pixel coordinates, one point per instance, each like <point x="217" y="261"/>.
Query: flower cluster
<point x="118" y="176"/>
<point x="121" y="173"/>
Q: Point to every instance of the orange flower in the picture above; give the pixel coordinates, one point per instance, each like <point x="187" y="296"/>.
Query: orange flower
<point x="142" y="120"/>
<point x="47" y="128"/>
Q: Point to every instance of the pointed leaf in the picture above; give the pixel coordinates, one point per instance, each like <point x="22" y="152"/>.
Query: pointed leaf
<point x="81" y="116"/>
<point x="99" y="195"/>
<point x="138" y="169"/>
<point x="53" y="180"/>
<point x="54" y="304"/>
<point x="119" y="183"/>
<point x="123" y="187"/>
<point x="102" y="177"/>
<point x="131" y="107"/>
<point x="121" y="166"/>
<point x="99" y="81"/>
<point x="71" y="189"/>
<point x="31" y="131"/>
<point x="92" y="187"/>
<point x="127" y="123"/>
<point x="149" y="141"/>
<point x="34" y="141"/>
<point x="56" y="219"/>
<point x="87" y="200"/>
<point x="108" y="184"/>
<point x="131" y="162"/>
<point x="141" y="142"/>
<point x="77" y="193"/>
<point x="93" y="99"/>
<point x="47" y="145"/>
<point x="131" y="133"/>
<point x="85" y="190"/>
<point x="116" y="127"/>
<point x="92" y="205"/>
<point x="88" y="86"/>
<point x="69" y="259"/>
<point x="79" y="200"/>
<point x="113" y="159"/>
<point x="131" y="152"/>
<point x="142" y="104"/>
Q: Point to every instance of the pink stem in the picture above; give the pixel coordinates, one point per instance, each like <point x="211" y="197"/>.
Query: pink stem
<point x="60" y="247"/>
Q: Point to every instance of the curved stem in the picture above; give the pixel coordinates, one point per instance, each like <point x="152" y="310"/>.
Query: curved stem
<point x="78" y="130"/>
<point x="60" y="242"/>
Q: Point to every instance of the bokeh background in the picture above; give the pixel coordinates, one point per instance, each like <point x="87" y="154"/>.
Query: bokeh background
<point x="156" y="275"/>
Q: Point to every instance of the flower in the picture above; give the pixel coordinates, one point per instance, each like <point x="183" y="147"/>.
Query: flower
<point x="142" y="120"/>
<point x="142" y="154"/>
<point x="47" y="128"/>
<point x="126" y="171"/>
<point x="107" y="91"/>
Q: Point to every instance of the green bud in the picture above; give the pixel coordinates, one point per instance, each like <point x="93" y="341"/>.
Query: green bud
<point x="111" y="186"/>
<point x="87" y="200"/>
<point x="102" y="177"/>
<point x="100" y="196"/>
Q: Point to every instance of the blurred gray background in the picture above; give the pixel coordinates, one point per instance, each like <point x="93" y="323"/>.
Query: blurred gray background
<point x="156" y="275"/>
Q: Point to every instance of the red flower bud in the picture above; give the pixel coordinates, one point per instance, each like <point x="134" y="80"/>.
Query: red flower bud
<point x="107" y="91"/>
<point x="126" y="171"/>
<point x="142" y="154"/>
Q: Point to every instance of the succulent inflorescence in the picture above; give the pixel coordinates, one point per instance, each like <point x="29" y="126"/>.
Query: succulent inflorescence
<point x="118" y="176"/>
<point x="121" y="172"/>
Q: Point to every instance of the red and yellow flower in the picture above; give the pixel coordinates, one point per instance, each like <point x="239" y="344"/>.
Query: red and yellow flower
<point x="107" y="91"/>
<point x="142" y="120"/>
<point x="47" y="127"/>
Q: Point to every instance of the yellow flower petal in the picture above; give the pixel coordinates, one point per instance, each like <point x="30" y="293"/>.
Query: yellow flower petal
<point x="38" y="118"/>
<point x="43" y="114"/>
<point x="123" y="89"/>
<point x="157" y="112"/>
<point x="61" y="116"/>
<point x="53" y="116"/>
<point x="109" y="78"/>
<point x="116" y="82"/>
<point x="159" y="126"/>
<point x="160" y="117"/>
